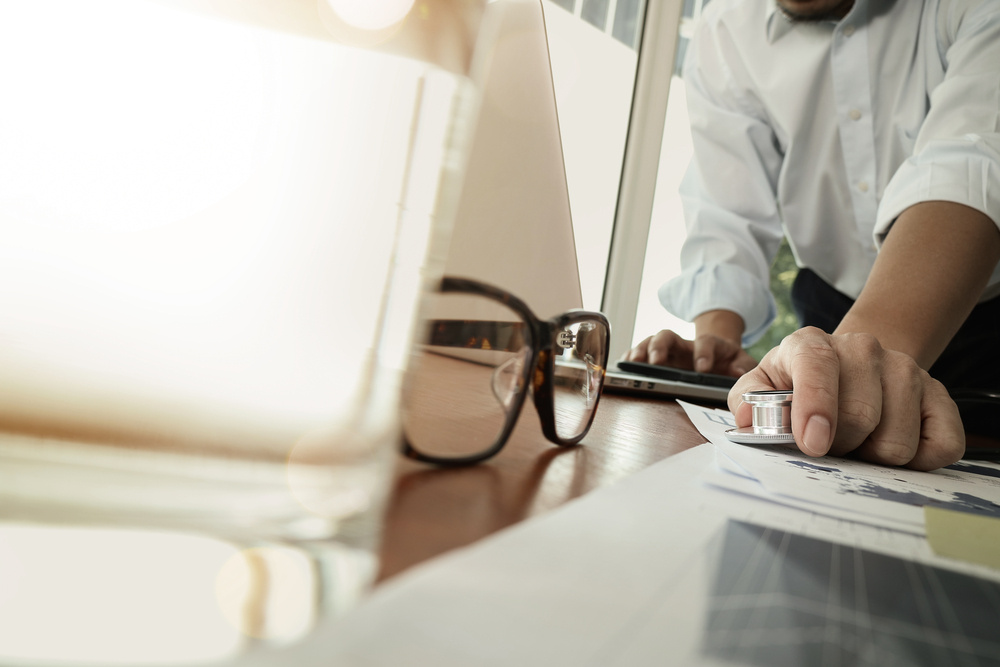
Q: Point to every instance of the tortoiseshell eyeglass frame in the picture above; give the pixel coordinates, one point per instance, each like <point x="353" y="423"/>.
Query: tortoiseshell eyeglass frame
<point x="542" y="336"/>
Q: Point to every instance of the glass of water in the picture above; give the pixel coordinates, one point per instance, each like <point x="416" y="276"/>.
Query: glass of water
<point x="216" y="218"/>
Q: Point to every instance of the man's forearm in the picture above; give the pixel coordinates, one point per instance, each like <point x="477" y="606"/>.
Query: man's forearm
<point x="933" y="267"/>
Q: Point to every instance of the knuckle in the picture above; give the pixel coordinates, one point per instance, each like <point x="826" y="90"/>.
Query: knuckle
<point x="666" y="338"/>
<point x="808" y="340"/>
<point x="863" y="344"/>
<point x="904" y="364"/>
<point x="818" y="352"/>
<point x="770" y="357"/>
<point x="903" y="374"/>
<point x="864" y="354"/>
<point x="809" y="332"/>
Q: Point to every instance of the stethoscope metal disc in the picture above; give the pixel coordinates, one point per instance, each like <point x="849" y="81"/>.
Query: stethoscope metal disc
<point x="748" y="436"/>
<point x="771" y="412"/>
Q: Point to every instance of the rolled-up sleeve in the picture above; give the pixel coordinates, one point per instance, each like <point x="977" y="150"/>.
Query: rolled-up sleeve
<point x="733" y="222"/>
<point x="957" y="153"/>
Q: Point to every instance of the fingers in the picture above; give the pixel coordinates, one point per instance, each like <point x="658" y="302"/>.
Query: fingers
<point x="861" y="400"/>
<point x="920" y="427"/>
<point x="720" y="356"/>
<point x="704" y="353"/>
<point x="895" y="437"/>
<point x="806" y="362"/>
<point x="665" y="348"/>
<point x="942" y="436"/>
<point x="741" y="364"/>
<point x="851" y="395"/>
<point x="640" y="352"/>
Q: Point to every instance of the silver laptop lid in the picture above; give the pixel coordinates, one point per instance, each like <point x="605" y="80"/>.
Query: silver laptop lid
<point x="513" y="227"/>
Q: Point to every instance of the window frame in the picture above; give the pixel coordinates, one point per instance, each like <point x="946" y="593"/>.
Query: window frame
<point x="637" y="187"/>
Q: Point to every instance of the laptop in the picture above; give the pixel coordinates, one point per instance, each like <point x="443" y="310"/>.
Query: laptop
<point x="514" y="227"/>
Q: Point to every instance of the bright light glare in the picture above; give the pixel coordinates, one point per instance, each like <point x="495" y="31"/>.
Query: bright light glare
<point x="99" y="596"/>
<point x="108" y="123"/>
<point x="432" y="155"/>
<point x="268" y="593"/>
<point x="214" y="222"/>
<point x="371" y="14"/>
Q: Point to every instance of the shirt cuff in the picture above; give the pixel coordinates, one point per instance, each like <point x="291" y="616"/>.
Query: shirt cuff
<point x="965" y="171"/>
<point x="721" y="287"/>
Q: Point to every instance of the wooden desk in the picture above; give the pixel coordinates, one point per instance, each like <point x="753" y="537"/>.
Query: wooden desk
<point x="434" y="510"/>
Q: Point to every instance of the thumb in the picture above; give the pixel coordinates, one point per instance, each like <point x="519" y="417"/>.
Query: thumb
<point x="741" y="366"/>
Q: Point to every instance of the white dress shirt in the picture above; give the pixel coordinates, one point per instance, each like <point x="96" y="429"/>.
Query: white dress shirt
<point x="826" y="132"/>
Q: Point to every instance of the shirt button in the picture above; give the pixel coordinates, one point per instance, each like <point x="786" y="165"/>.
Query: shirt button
<point x="863" y="186"/>
<point x="855" y="114"/>
<point x="848" y="30"/>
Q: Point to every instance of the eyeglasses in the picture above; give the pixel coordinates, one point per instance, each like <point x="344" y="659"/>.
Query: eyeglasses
<point x="483" y="350"/>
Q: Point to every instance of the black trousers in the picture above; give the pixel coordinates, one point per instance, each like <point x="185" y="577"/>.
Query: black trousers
<point x="971" y="360"/>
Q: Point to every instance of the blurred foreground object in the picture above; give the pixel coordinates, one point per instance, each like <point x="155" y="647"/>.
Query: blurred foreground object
<point x="216" y="218"/>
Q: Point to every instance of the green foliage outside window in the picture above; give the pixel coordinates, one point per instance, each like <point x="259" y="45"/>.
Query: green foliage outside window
<point x="783" y="272"/>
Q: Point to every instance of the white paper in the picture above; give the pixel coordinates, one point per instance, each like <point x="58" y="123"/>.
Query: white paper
<point x="624" y="576"/>
<point x="729" y="476"/>
<point x="618" y="577"/>
<point x="892" y="497"/>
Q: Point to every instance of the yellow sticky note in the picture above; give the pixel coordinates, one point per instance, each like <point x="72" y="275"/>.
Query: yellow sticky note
<point x="969" y="537"/>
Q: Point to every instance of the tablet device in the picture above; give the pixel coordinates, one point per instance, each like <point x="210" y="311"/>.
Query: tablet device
<point x="663" y="382"/>
<point x="676" y="374"/>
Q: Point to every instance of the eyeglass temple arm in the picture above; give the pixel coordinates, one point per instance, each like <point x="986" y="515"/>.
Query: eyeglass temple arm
<point x="478" y="334"/>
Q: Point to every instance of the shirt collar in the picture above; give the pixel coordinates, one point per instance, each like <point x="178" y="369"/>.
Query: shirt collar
<point x="778" y="26"/>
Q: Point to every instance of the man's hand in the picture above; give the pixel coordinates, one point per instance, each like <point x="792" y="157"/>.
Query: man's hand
<point x="705" y="354"/>
<point x="715" y="349"/>
<point x="852" y="395"/>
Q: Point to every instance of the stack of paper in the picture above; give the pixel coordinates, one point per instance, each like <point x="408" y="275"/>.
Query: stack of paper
<point x="893" y="498"/>
<point x="721" y="555"/>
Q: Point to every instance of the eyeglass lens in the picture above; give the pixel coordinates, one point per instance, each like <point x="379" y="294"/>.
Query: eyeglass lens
<point x="468" y="377"/>
<point x="579" y="375"/>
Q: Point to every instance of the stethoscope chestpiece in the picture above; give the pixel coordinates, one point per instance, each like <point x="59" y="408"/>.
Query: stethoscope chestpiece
<point x="772" y="419"/>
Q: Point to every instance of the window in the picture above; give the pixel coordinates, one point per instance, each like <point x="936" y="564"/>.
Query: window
<point x="607" y="59"/>
<point x="627" y="143"/>
<point x="667" y="230"/>
<point x="621" y="19"/>
<point x="594" y="59"/>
